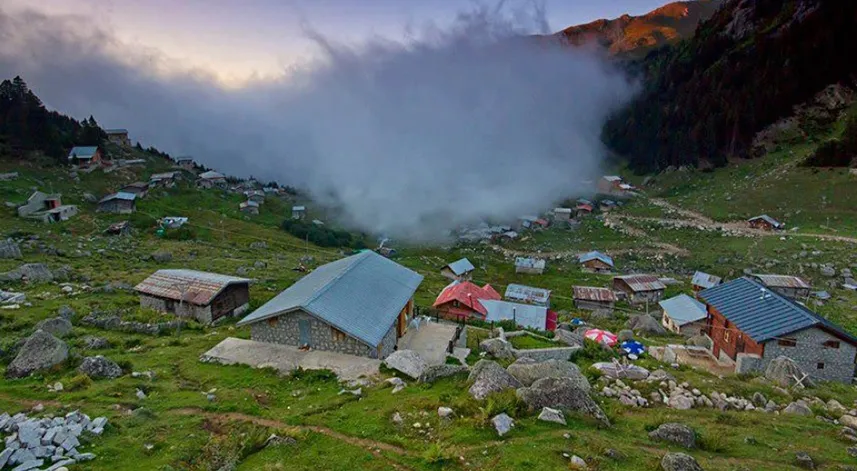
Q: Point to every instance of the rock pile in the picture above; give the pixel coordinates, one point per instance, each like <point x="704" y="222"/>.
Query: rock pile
<point x="31" y="443"/>
<point x="113" y="322"/>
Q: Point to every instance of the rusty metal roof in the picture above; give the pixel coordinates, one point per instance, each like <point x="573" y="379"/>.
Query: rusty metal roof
<point x="199" y="287"/>
<point x="639" y="283"/>
<point x="592" y="293"/>
<point x="782" y="281"/>
<point x="527" y="294"/>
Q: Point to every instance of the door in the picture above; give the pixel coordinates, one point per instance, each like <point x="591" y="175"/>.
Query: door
<point x="303" y="326"/>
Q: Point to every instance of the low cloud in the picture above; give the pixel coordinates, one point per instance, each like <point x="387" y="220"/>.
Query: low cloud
<point x="409" y="138"/>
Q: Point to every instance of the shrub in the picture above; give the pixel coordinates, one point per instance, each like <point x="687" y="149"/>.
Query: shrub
<point x="504" y="401"/>
<point x="78" y="383"/>
<point x="436" y="454"/>
<point x="593" y="352"/>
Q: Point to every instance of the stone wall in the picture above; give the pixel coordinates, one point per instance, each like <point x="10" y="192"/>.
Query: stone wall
<point x="184" y="310"/>
<point x="592" y="305"/>
<point x="809" y="351"/>
<point x="748" y="363"/>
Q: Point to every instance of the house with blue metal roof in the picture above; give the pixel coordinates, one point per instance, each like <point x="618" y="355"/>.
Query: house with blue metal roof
<point x="459" y="270"/>
<point x="359" y="305"/>
<point x="683" y="315"/>
<point x="118" y="203"/>
<point x="596" y="262"/>
<point x="84" y="156"/>
<point x="751" y="324"/>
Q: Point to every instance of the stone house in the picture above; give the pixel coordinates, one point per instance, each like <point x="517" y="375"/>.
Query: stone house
<point x="563" y="214"/>
<point x="164" y="180"/>
<point x="592" y="298"/>
<point x="118" y="203"/>
<point x="138" y="188"/>
<point x="609" y="184"/>
<point x="211" y="179"/>
<point x="765" y="222"/>
<point x="596" y="262"/>
<point x="185" y="162"/>
<point x="85" y="156"/>
<point x="46" y="208"/>
<point x="752" y="325"/>
<point x="640" y="289"/>
<point x="203" y="296"/>
<point x="460" y="270"/>
<point x="789" y="286"/>
<point x="118" y="137"/>
<point x="683" y="315"/>
<point x="359" y="305"/>
<point x="249" y="207"/>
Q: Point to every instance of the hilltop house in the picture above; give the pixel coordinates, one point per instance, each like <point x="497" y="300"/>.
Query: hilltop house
<point x="596" y="262"/>
<point x="249" y="207"/>
<point x="85" y="156"/>
<point x="562" y="214"/>
<point x="683" y="315"/>
<point x="701" y="281"/>
<point x="46" y="208"/>
<point x="639" y="289"/>
<point x="185" y="162"/>
<point x="523" y="315"/>
<point x="460" y="270"/>
<point x="211" y="179"/>
<point x="138" y="188"/>
<point x="203" y="296"/>
<point x="257" y="196"/>
<point x="789" y="286"/>
<point x="765" y="222"/>
<point x="583" y="209"/>
<point x="461" y="300"/>
<point x="753" y="325"/>
<point x="164" y="180"/>
<point x="529" y="265"/>
<point x="118" y="203"/>
<point x="118" y="137"/>
<point x="358" y="305"/>
<point x="592" y="298"/>
<point x="298" y="212"/>
<point x="609" y="184"/>
<point x="528" y="295"/>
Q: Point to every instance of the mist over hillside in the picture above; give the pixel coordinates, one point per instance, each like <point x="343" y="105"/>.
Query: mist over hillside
<point x="409" y="138"/>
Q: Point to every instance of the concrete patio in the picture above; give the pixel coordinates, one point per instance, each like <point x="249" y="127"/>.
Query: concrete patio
<point x="430" y="340"/>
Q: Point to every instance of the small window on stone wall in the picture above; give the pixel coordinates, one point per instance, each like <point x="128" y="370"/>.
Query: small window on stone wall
<point x="787" y="342"/>
<point x="831" y="344"/>
<point x="337" y="335"/>
<point x="820" y="366"/>
<point x="272" y="322"/>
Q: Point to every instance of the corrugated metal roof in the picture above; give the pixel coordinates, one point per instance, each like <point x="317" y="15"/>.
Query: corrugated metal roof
<point x="705" y="280"/>
<point x="782" y="281"/>
<point x="360" y="295"/>
<point x="767" y="219"/>
<point x="527" y="294"/>
<point x="248" y="203"/>
<point x="163" y="176"/>
<point x="526" y="315"/>
<point x="761" y="313"/>
<point x="460" y="267"/>
<point x="119" y="196"/>
<point x="595" y="255"/>
<point x="524" y="262"/>
<point x="82" y="152"/>
<point x="683" y="309"/>
<point x="612" y="178"/>
<point x="592" y="293"/>
<point x="211" y="175"/>
<point x="467" y="294"/>
<point x="298" y="208"/>
<point x="199" y="287"/>
<point x="639" y="283"/>
<point x="562" y="210"/>
<point x="142" y="185"/>
<point x="116" y="131"/>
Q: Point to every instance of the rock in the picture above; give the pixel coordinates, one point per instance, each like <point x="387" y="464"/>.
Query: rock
<point x="502" y="423"/>
<point x="32" y="272"/>
<point x="95" y="343"/>
<point x="561" y="393"/>
<point x="259" y="264"/>
<point x="828" y="271"/>
<point x="259" y="245"/>
<point x="397" y="419"/>
<point x="90" y="198"/>
<point x="852" y="451"/>
<point x="803" y="460"/>
<point x="577" y="462"/>
<point x="703" y="341"/>
<point x="783" y="370"/>
<point x="444" y="412"/>
<point x="58" y="327"/>
<point x="679" y="462"/>
<point x="835" y="407"/>
<point x="39" y="351"/>
<point x="680" y="402"/>
<point x="617" y="371"/>
<point x="140" y="394"/>
<point x="646" y="324"/>
<point x="98" y="367"/>
<point x="162" y="256"/>
<point x="276" y="440"/>
<point x="498" y="348"/>
<point x="679" y="434"/>
<point x="660" y="375"/>
<point x="528" y="373"/>
<point x="397" y="383"/>
<point x="848" y="420"/>
<point x="626" y="334"/>
<point x="798" y="408"/>
<point x="66" y="312"/>
<point x="489" y="377"/>
<point x="9" y="249"/>
<point x="433" y="373"/>
<point x="759" y="399"/>
<point x="407" y="362"/>
<point x="552" y="415"/>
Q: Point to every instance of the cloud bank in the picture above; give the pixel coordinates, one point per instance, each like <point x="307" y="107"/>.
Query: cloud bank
<point x="409" y="138"/>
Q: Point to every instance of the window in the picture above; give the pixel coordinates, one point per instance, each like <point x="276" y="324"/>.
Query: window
<point x="337" y="335"/>
<point x="727" y="336"/>
<point x="272" y="321"/>
<point x="820" y="366"/>
<point x="831" y="344"/>
<point x="787" y="342"/>
<point x="455" y="304"/>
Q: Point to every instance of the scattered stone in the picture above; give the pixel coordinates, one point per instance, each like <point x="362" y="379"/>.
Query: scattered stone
<point x="39" y="351"/>
<point x="276" y="440"/>
<point x="58" y="327"/>
<point x="407" y="362"/>
<point x="66" y="312"/>
<point x="9" y="249"/>
<point x="528" y="373"/>
<point x="552" y="415"/>
<point x="498" y="348"/>
<point x="577" y="462"/>
<point x="444" y="412"/>
<point x="95" y="343"/>
<point x="398" y="384"/>
<point x="617" y="371"/>
<point x="679" y="434"/>
<point x="759" y="399"/>
<point x="803" y="460"/>
<point x="32" y="272"/>
<point x="783" y="370"/>
<point x="434" y="372"/>
<point x="561" y="393"/>
<point x="502" y="424"/>
<point x="162" y="256"/>
<point x="798" y="407"/>
<point x="489" y="377"/>
<point x="397" y="418"/>
<point x="140" y="394"/>
<point x="679" y="462"/>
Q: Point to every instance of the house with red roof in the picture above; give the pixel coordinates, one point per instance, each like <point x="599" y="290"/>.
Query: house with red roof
<point x="462" y="299"/>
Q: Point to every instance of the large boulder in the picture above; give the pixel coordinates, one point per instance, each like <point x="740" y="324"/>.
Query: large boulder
<point x="497" y="348"/>
<point x="32" y="272"/>
<point x="9" y="249"/>
<point x="561" y="393"/>
<point x="58" y="327"/>
<point x="646" y="324"/>
<point x="488" y="377"/>
<point x="679" y="462"/>
<point x="407" y="362"/>
<point x="703" y="341"/>
<point x="799" y="407"/>
<point x="502" y="423"/>
<point x="433" y="373"/>
<point x="40" y="351"/>
<point x="528" y="373"/>
<point x="679" y="434"/>
<point x="615" y="370"/>
<point x="98" y="367"/>
<point x="162" y="256"/>
<point x="784" y="372"/>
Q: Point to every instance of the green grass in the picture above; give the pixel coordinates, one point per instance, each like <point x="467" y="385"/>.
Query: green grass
<point x="527" y="342"/>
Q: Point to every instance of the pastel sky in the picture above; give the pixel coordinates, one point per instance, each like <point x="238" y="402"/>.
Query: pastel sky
<point x="239" y="39"/>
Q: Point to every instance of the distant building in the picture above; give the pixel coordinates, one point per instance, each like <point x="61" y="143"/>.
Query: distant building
<point x="460" y="270"/>
<point x="596" y="262"/>
<point x="119" y="228"/>
<point x="609" y="184"/>
<point x="701" y="281"/>
<point x="85" y="156"/>
<point x="529" y="265"/>
<point x="789" y="286"/>
<point x="257" y="196"/>
<point x="359" y="305"/>
<point x="173" y="222"/>
<point x="528" y="295"/>
<point x="639" y="289"/>
<point x="766" y="223"/>
<point x="583" y="209"/>
<point x="563" y="214"/>
<point x="592" y="298"/>
<point x="463" y="300"/>
<point x="118" y="137"/>
<point x="203" y="296"/>
<point x="118" y="203"/>
<point x="683" y="315"/>
<point x="211" y="179"/>
<point x="185" y="162"/>
<point x="164" y="180"/>
<point x="249" y="207"/>
<point x="46" y="208"/>
<point x="752" y="325"/>
<point x="298" y="212"/>
<point x="527" y="222"/>
<point x="138" y="188"/>
<point x="605" y="206"/>
<point x="523" y="315"/>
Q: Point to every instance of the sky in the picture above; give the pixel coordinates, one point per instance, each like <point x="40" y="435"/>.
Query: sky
<point x="239" y="40"/>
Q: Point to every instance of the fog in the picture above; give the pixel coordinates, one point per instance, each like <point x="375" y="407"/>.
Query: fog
<point x="409" y="138"/>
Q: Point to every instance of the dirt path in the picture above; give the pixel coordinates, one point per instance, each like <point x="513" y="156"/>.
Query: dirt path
<point x="372" y="446"/>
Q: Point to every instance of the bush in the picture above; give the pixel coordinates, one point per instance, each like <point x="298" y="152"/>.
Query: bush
<point x="436" y="454"/>
<point x="504" y="401"/>
<point x="313" y="376"/>
<point x="593" y="352"/>
<point x="78" y="383"/>
<point x="321" y="235"/>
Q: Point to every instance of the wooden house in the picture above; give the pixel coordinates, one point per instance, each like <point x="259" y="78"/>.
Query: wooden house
<point x="639" y="289"/>
<point x="592" y="298"/>
<point x="298" y="212"/>
<point x="463" y="300"/>
<point x="118" y="203"/>
<point x="533" y="266"/>
<point x="789" y="286"/>
<point x="528" y="295"/>
<point x="701" y="281"/>
<point x="683" y="315"/>
<point x="141" y="189"/>
<point x="460" y="270"/>
<point x="596" y="262"/>
<point x="85" y="156"/>
<point x="203" y="296"/>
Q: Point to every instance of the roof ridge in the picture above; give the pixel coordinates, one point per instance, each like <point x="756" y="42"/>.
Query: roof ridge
<point x="783" y="299"/>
